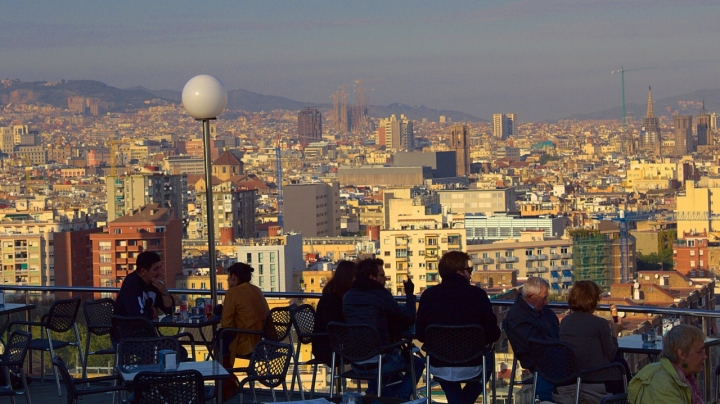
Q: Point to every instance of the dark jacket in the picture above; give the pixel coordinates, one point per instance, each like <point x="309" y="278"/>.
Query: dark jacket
<point x="368" y="302"/>
<point x="329" y="308"/>
<point x="137" y="298"/>
<point x="591" y="339"/>
<point x="456" y="302"/>
<point x="523" y="322"/>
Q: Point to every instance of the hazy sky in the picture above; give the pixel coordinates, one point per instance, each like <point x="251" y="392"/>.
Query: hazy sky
<point x="541" y="59"/>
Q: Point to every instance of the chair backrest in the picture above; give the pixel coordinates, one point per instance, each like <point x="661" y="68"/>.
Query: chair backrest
<point x="62" y="370"/>
<point x="303" y="319"/>
<point x="132" y="327"/>
<point x="354" y="342"/>
<point x="98" y="315"/>
<point x="269" y="362"/>
<point x="277" y="324"/>
<point x="62" y="315"/>
<point x="555" y="361"/>
<point x="184" y="386"/>
<point x="134" y="352"/>
<point x="16" y="348"/>
<point x="454" y="343"/>
<point x="615" y="399"/>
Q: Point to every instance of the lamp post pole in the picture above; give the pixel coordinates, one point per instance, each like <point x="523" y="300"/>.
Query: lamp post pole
<point x="210" y="213"/>
<point x="204" y="98"/>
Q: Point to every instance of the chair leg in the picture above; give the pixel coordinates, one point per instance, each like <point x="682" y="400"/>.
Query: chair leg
<point x="484" y="384"/>
<point x="52" y="354"/>
<point x="285" y="391"/>
<point x="512" y="381"/>
<point x="25" y="386"/>
<point x="577" y="391"/>
<point x="427" y="379"/>
<point x="379" y="379"/>
<point x="296" y="374"/>
<point x="332" y="376"/>
<point x="535" y="379"/>
<point x="312" y="386"/>
<point x="85" y="358"/>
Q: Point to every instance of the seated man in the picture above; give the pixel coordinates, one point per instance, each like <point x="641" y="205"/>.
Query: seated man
<point x="143" y="293"/>
<point x="456" y="302"/>
<point x="530" y="317"/>
<point x="368" y="302"/>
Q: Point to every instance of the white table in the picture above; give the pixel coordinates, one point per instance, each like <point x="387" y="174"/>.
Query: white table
<point x="210" y="370"/>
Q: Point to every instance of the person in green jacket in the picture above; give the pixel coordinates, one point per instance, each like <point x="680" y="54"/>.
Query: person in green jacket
<point x="672" y="379"/>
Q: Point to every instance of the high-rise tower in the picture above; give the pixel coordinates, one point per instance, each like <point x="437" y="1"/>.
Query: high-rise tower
<point x="704" y="128"/>
<point x="459" y="143"/>
<point x="650" y="132"/>
<point x="309" y="125"/>
<point x="684" y="142"/>
<point x="504" y="125"/>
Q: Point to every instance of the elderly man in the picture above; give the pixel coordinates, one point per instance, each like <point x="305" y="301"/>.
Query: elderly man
<point x="456" y="302"/>
<point x="368" y="302"/>
<point x="530" y="317"/>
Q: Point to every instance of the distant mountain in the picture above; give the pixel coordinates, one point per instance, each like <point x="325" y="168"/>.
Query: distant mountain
<point x="57" y="93"/>
<point x="686" y="104"/>
<point x="120" y="100"/>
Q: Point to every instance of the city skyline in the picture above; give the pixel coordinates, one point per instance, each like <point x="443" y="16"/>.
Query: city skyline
<point x="543" y="60"/>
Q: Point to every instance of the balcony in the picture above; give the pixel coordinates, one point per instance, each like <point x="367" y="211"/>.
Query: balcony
<point x="531" y="257"/>
<point x="565" y="256"/>
<point x="542" y="257"/>
<point x="501" y="260"/>
<point x="554" y="256"/>
<point x="48" y="392"/>
<point x="511" y="259"/>
<point x="555" y="268"/>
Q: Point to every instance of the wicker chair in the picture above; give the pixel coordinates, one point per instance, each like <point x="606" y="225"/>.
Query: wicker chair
<point x="61" y="318"/>
<point x="268" y="366"/>
<point x="136" y="352"/>
<point x="184" y="386"/>
<point x="73" y="393"/>
<point x="303" y="320"/>
<point x="12" y="362"/>
<point x="98" y="317"/>
<point x="455" y="344"/>
<point x="140" y="327"/>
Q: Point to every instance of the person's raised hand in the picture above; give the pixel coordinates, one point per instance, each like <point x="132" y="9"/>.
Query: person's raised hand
<point x="409" y="287"/>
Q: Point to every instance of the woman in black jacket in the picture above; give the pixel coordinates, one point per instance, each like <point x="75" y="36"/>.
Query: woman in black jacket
<point x="330" y="308"/>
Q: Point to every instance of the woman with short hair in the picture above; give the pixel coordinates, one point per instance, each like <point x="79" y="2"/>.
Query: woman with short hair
<point x="672" y="379"/>
<point x="592" y="338"/>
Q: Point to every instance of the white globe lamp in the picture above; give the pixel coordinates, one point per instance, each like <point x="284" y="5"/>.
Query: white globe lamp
<point x="204" y="97"/>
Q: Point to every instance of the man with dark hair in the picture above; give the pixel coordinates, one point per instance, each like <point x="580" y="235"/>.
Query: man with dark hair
<point x="368" y="302"/>
<point x="456" y="302"/>
<point x="143" y="293"/>
<point x="530" y="317"/>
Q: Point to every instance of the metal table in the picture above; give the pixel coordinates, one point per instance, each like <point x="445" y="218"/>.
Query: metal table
<point x="182" y="326"/>
<point x="210" y="370"/>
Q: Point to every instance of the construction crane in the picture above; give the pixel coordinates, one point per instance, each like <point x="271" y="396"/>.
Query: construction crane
<point x="278" y="176"/>
<point x="622" y="71"/>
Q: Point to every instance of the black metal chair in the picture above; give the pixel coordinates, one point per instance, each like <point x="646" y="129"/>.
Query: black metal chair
<point x="184" y="386"/>
<point x="556" y="363"/>
<point x="455" y="344"/>
<point x="140" y="327"/>
<point x="303" y="320"/>
<point x="615" y="399"/>
<point x="136" y="352"/>
<point x="268" y="366"/>
<point x="71" y="384"/>
<point x="60" y="319"/>
<point x="358" y="343"/>
<point x="528" y="381"/>
<point x="12" y="363"/>
<point x="98" y="318"/>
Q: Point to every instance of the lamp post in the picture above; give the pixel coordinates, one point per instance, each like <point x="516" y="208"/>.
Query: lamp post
<point x="204" y="98"/>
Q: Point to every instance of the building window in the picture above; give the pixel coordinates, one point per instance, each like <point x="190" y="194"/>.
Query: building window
<point x="272" y="257"/>
<point x="272" y="268"/>
<point x="249" y="258"/>
<point x="260" y="269"/>
<point x="260" y="257"/>
<point x="104" y="245"/>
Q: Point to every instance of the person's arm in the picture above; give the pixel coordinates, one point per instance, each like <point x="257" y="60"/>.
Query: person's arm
<point x="130" y="299"/>
<point x="607" y="342"/>
<point x="421" y="322"/>
<point x="488" y="320"/>
<point x="166" y="301"/>
<point x="228" y="313"/>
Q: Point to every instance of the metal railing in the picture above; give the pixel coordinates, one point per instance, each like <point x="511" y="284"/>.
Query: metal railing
<point x="42" y="297"/>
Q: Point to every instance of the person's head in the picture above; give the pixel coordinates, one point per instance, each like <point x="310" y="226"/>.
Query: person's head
<point x="369" y="268"/>
<point x="535" y="291"/>
<point x="342" y="279"/>
<point x="148" y="265"/>
<point x="584" y="296"/>
<point x="455" y="262"/>
<point x="239" y="273"/>
<point x="684" y="346"/>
